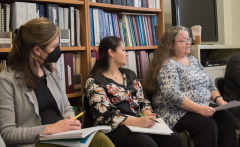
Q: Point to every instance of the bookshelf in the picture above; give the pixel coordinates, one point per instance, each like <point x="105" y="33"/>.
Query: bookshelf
<point x="85" y="49"/>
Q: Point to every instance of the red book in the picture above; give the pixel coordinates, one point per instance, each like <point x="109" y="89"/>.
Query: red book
<point x="150" y="29"/>
<point x="69" y="78"/>
<point x="143" y="63"/>
<point x="135" y="27"/>
<point x="138" y="63"/>
<point x="147" y="5"/>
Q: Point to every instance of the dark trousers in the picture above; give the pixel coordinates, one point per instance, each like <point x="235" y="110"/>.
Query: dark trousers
<point x="123" y="137"/>
<point x="216" y="131"/>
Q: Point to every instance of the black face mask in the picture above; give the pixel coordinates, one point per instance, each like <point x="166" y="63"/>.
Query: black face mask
<point x="53" y="56"/>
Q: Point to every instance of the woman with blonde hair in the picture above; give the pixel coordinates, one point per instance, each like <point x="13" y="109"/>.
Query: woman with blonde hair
<point x="180" y="90"/>
<point x="32" y="99"/>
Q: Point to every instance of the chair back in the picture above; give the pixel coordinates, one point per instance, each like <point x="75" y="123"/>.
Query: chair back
<point x="220" y="84"/>
<point x="88" y="117"/>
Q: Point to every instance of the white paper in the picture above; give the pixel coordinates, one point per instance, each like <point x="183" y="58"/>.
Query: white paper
<point x="82" y="133"/>
<point x="159" y="128"/>
<point x="71" y="143"/>
<point x="228" y="105"/>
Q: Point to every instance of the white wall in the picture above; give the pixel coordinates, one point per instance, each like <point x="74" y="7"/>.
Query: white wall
<point x="228" y="13"/>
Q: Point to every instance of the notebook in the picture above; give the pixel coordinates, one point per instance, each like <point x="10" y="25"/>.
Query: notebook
<point x="82" y="133"/>
<point x="159" y="128"/>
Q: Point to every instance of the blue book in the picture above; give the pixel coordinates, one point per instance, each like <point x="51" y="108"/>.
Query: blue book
<point x="131" y="2"/>
<point x="141" y="29"/>
<point x="113" y="25"/>
<point x="110" y="24"/>
<point x="91" y="26"/>
<point x="133" y="30"/>
<point x="153" y="24"/>
<point x="101" y="24"/>
<point x="41" y="10"/>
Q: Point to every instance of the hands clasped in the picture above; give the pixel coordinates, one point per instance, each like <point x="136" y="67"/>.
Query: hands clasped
<point x="206" y="111"/>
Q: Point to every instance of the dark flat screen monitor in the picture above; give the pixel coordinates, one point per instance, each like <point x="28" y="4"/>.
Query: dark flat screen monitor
<point x="188" y="13"/>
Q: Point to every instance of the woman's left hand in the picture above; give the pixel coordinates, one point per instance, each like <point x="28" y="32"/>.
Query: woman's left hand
<point x="148" y="113"/>
<point x="220" y="102"/>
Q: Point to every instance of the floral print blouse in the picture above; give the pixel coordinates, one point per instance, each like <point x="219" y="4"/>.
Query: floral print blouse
<point x="177" y="81"/>
<point x="110" y="102"/>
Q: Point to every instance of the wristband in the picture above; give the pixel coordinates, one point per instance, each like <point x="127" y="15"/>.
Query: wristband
<point x="215" y="100"/>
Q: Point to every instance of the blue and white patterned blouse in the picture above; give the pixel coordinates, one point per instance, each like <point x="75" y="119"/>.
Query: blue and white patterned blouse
<point x="177" y="81"/>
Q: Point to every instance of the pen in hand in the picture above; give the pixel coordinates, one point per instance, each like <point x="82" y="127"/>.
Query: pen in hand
<point x="80" y="114"/>
<point x="142" y="115"/>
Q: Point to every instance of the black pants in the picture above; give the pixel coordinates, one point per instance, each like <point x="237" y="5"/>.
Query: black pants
<point x="216" y="131"/>
<point x="123" y="137"/>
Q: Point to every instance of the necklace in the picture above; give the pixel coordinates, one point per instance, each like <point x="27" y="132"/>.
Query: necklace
<point x="115" y="77"/>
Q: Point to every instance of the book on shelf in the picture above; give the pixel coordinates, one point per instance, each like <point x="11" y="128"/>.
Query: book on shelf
<point x="69" y="78"/>
<point x="5" y="39"/>
<point x="64" y="36"/>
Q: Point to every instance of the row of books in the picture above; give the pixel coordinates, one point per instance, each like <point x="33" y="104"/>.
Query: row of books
<point x="68" y="66"/>
<point x="68" y="19"/>
<point x="137" y="61"/>
<point x="135" y="3"/>
<point x="5" y="33"/>
<point x="133" y="29"/>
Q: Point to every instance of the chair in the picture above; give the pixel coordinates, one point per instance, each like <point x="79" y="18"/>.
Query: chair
<point x="88" y="117"/>
<point x="220" y="85"/>
<point x="187" y="135"/>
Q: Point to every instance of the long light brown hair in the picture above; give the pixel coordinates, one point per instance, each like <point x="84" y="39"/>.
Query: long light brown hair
<point x="161" y="54"/>
<point x="39" y="31"/>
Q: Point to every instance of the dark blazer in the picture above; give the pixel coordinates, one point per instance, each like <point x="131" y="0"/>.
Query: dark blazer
<point x="232" y="85"/>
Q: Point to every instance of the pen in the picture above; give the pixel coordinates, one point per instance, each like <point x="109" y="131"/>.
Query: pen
<point x="142" y="115"/>
<point x="80" y="114"/>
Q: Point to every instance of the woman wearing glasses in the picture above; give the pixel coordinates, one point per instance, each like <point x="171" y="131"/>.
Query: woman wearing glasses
<point x="180" y="91"/>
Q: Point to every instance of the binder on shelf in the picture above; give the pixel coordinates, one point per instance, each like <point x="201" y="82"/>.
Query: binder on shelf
<point x="128" y="3"/>
<point x="52" y="13"/>
<point x="69" y="78"/>
<point x="71" y="25"/>
<point x="91" y="26"/>
<point x="64" y="35"/>
<point x="124" y="2"/>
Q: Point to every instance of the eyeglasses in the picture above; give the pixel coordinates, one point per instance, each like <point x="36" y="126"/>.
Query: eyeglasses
<point x="185" y="41"/>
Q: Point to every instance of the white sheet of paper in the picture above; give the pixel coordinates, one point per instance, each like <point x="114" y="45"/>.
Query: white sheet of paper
<point x="159" y="128"/>
<point x="228" y="105"/>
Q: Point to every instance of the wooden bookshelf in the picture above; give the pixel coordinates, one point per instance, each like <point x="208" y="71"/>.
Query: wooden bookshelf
<point x="64" y="49"/>
<point x="135" y="48"/>
<point x="5" y="50"/>
<point x="76" y="94"/>
<point x="123" y="8"/>
<point x="83" y="6"/>
<point x="70" y="2"/>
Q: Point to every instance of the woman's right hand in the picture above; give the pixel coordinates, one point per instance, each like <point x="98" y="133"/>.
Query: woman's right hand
<point x="62" y="126"/>
<point x="146" y="122"/>
<point x="206" y="111"/>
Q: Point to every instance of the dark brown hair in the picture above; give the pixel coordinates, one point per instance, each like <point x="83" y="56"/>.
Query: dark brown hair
<point x="39" y="31"/>
<point x="161" y="54"/>
<point x="109" y="42"/>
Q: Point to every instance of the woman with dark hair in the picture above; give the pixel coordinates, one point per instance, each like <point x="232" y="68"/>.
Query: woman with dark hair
<point x="113" y="95"/>
<point x="32" y="99"/>
<point x="181" y="90"/>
